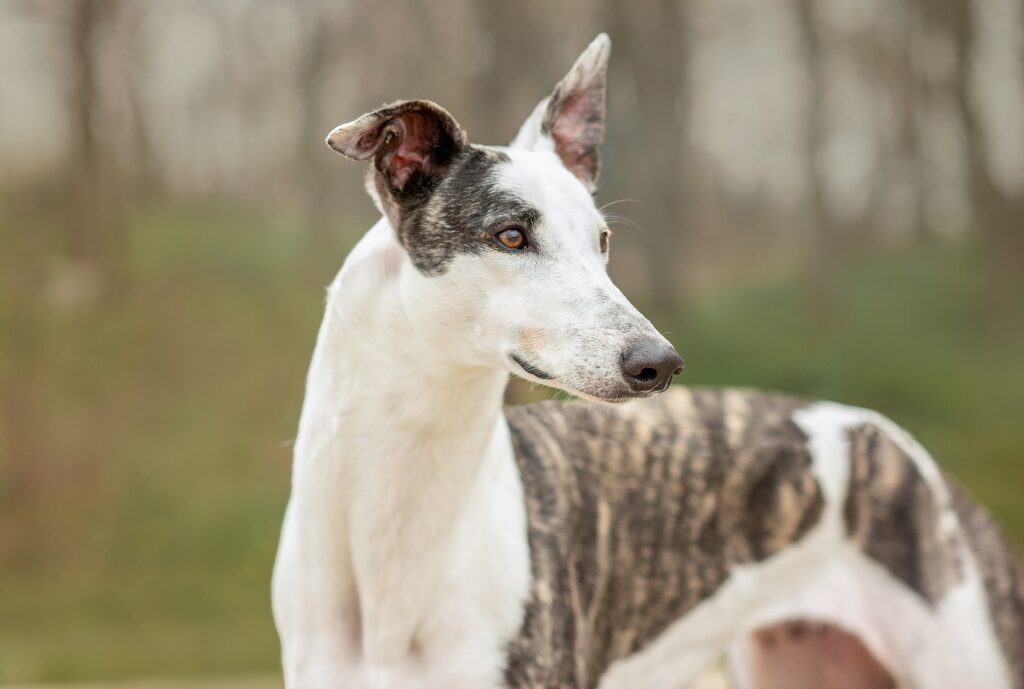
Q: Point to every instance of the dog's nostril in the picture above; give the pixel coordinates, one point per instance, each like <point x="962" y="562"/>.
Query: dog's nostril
<point x="649" y="364"/>
<point x="647" y="374"/>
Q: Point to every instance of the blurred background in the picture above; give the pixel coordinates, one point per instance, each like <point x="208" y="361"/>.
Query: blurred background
<point x="824" y="197"/>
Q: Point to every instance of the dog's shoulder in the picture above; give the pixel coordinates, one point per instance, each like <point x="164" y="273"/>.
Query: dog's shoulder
<point x="726" y="455"/>
<point x="685" y="421"/>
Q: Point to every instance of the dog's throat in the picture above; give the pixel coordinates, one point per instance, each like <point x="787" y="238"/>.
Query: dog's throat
<point x="530" y="368"/>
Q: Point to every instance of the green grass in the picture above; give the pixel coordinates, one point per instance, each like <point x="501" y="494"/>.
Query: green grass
<point x="143" y="483"/>
<point x="165" y="420"/>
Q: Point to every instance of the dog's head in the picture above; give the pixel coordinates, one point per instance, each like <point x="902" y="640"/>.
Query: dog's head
<point x="506" y="250"/>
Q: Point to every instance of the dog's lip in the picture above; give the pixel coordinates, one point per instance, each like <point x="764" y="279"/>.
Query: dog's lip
<point x="623" y="398"/>
<point x="529" y="368"/>
<point x="631" y="395"/>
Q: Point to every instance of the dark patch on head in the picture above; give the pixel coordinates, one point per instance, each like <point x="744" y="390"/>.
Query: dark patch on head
<point x="462" y="212"/>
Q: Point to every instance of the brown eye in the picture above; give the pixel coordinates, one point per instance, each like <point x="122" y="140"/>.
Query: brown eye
<point x="606" y="237"/>
<point x="512" y="238"/>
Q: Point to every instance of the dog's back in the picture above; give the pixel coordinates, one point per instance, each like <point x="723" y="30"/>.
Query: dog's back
<point x="645" y="516"/>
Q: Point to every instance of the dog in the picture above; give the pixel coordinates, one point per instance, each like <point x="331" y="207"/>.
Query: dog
<point x="435" y="540"/>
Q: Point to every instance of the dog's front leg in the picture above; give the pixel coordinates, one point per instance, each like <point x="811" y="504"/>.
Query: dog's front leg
<point x="316" y="622"/>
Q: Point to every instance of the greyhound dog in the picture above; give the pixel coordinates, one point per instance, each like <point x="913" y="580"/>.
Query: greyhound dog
<point x="436" y="540"/>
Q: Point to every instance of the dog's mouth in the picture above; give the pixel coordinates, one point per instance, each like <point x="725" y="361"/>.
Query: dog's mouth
<point x="530" y="368"/>
<point x="615" y="395"/>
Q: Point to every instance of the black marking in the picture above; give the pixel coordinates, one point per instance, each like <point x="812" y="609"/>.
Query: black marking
<point x="530" y="368"/>
<point x="463" y="213"/>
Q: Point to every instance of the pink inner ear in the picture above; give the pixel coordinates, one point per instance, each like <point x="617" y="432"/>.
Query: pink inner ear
<point x="367" y="142"/>
<point x="573" y="110"/>
<point x="578" y="130"/>
<point x="413" y="153"/>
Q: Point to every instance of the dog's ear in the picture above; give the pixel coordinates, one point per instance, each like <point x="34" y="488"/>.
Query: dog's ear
<point x="570" y="121"/>
<point x="412" y="144"/>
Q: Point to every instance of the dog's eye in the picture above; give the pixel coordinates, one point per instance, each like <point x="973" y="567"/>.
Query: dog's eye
<point x="513" y="238"/>
<point x="606" y="237"/>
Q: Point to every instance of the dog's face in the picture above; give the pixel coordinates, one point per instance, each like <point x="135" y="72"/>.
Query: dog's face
<point x="507" y="251"/>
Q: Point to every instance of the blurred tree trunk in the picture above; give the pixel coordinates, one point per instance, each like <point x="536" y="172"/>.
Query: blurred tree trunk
<point x="92" y="228"/>
<point x="815" y="125"/>
<point x="147" y="177"/>
<point x="902" y="165"/>
<point x="1000" y="216"/>
<point x="518" y="65"/>
<point x="912" y="91"/>
<point x="824" y="230"/>
<point x="312" y="75"/>
<point x="85" y="16"/>
<point x="656" y="43"/>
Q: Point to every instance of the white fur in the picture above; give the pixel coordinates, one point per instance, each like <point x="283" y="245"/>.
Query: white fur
<point x="530" y="137"/>
<point x="403" y="559"/>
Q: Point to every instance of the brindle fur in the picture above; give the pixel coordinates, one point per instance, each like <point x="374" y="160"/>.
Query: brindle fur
<point x="637" y="514"/>
<point x="1001" y="574"/>
<point x="893" y="515"/>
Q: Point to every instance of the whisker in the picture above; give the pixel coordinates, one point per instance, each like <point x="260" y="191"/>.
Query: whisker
<point x="623" y="220"/>
<point x="617" y="201"/>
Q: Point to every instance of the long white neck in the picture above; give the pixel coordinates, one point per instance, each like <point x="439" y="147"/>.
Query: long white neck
<point x="404" y="471"/>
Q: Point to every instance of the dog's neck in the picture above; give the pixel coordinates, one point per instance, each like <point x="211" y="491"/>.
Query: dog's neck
<point x="411" y="463"/>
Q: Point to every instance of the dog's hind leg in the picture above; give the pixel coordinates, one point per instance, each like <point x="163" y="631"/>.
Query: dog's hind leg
<point x="904" y="600"/>
<point x="808" y="655"/>
<point x="857" y="627"/>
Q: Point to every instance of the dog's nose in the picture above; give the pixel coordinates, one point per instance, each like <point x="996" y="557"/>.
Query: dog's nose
<point x="649" y="364"/>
